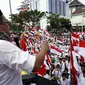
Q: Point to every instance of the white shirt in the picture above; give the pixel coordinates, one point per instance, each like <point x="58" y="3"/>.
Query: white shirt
<point x="62" y="66"/>
<point x="56" y="73"/>
<point x="12" y="60"/>
<point x="64" y="82"/>
<point x="81" y="80"/>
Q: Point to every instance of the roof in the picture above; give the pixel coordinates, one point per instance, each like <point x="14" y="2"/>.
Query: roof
<point x="79" y="10"/>
<point x="76" y="3"/>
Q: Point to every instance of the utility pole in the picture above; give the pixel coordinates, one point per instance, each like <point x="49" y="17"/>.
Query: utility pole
<point x="10" y="7"/>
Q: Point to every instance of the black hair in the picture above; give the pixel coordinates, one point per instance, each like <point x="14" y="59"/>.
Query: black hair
<point x="82" y="65"/>
<point x="83" y="71"/>
<point x="57" y="66"/>
<point x="64" y="74"/>
<point x="16" y="39"/>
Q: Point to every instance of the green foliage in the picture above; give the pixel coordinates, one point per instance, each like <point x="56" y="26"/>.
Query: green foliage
<point x="32" y="18"/>
<point x="57" y="24"/>
<point x="54" y="21"/>
<point x="65" y="23"/>
<point x="16" y="23"/>
<point x="16" y="19"/>
<point x="27" y="18"/>
<point x="14" y="28"/>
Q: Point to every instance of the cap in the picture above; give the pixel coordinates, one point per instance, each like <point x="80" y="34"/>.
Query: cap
<point x="1" y="13"/>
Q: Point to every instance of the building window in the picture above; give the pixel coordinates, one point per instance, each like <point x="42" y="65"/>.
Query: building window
<point x="57" y="6"/>
<point x="60" y="7"/>
<point x="53" y="6"/>
<point x="64" y="8"/>
<point x="36" y="5"/>
<point x="50" y="5"/>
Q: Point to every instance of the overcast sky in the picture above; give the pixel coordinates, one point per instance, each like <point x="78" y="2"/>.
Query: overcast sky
<point x="4" y="6"/>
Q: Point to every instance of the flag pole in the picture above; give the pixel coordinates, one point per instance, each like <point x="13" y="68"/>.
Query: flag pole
<point x="71" y="82"/>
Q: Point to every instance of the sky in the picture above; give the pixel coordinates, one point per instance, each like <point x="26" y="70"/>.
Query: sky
<point x="4" y="6"/>
<point x="83" y="1"/>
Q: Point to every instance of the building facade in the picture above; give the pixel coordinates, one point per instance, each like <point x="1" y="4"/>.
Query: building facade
<point x="77" y="14"/>
<point x="60" y="7"/>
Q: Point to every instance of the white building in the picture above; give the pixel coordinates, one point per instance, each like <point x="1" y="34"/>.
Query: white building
<point x="77" y="13"/>
<point x="53" y="6"/>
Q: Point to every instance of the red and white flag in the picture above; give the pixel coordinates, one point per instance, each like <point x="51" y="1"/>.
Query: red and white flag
<point x="60" y="40"/>
<point x="81" y="50"/>
<point x="23" y="45"/>
<point x="75" y="39"/>
<point x="55" y="50"/>
<point x="77" y="44"/>
<point x="47" y="34"/>
<point x="74" y="36"/>
<point x="74" y="66"/>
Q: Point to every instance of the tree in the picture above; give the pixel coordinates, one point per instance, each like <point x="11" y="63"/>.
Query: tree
<point x="16" y="23"/>
<point x="57" y="24"/>
<point x="54" y="24"/>
<point x="28" y="18"/>
<point x="15" y="28"/>
<point x="32" y="18"/>
<point x="65" y="23"/>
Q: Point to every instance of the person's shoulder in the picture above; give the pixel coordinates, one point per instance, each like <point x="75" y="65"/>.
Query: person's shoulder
<point x="1" y="41"/>
<point x="4" y="45"/>
<point x="5" y="42"/>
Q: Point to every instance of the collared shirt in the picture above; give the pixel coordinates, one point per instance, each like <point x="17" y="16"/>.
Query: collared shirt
<point x="12" y="60"/>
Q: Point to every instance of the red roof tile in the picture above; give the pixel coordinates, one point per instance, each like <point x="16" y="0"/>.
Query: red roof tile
<point x="79" y="10"/>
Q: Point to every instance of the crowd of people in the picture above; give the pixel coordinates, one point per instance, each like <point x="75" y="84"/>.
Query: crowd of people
<point x="58" y="69"/>
<point x="40" y="53"/>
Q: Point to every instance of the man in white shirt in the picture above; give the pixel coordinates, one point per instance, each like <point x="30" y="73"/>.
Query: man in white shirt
<point x="64" y="80"/>
<point x="13" y="59"/>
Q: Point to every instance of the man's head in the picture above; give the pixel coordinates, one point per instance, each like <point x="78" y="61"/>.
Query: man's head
<point x="64" y="76"/>
<point x="3" y="24"/>
<point x="4" y="28"/>
<point x="57" y="67"/>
